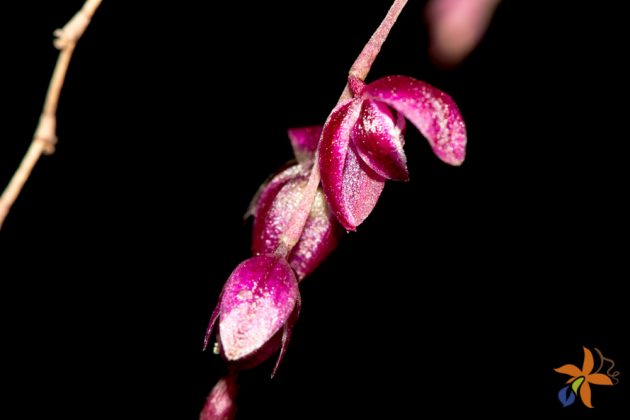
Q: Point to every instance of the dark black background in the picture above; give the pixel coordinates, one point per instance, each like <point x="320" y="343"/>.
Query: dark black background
<point x="460" y="293"/>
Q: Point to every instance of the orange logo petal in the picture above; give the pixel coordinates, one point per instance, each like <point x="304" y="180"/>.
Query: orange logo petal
<point x="585" y="394"/>
<point x="587" y="367"/>
<point x="570" y="370"/>
<point x="599" y="379"/>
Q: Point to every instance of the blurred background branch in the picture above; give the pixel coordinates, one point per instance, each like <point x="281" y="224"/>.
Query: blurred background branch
<point x="44" y="139"/>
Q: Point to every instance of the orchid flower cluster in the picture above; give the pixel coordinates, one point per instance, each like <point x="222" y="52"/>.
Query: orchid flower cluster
<point x="300" y="213"/>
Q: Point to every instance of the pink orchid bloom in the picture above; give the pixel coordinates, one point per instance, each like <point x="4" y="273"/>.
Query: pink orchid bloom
<point x="297" y="224"/>
<point x="276" y="201"/>
<point x="258" y="307"/>
<point x="362" y="141"/>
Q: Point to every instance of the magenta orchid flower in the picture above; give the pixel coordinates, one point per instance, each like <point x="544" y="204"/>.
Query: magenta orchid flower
<point x="362" y="141"/>
<point x="261" y="297"/>
<point x="297" y="224"/>
<point x="258" y="307"/>
<point x="276" y="201"/>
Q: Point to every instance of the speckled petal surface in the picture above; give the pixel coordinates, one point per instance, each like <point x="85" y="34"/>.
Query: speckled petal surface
<point x="304" y="142"/>
<point x="278" y="201"/>
<point x="379" y="141"/>
<point x="319" y="238"/>
<point x="432" y="111"/>
<point x="361" y="189"/>
<point x="350" y="186"/>
<point x="271" y="186"/>
<point x="256" y="302"/>
<point x="269" y="219"/>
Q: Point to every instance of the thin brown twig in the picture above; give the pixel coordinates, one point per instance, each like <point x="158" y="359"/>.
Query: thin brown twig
<point x="44" y="139"/>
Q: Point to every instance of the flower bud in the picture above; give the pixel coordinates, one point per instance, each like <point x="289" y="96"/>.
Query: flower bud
<point x="258" y="307"/>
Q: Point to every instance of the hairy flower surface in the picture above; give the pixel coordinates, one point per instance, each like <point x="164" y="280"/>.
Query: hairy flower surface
<point x="297" y="224"/>
<point x="278" y="199"/>
<point x="259" y="301"/>
<point x="362" y="141"/>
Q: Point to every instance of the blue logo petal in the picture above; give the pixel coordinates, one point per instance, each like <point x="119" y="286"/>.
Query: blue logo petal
<point x="566" y="396"/>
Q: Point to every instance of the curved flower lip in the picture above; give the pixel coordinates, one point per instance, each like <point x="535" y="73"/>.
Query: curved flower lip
<point x="260" y="298"/>
<point x="585" y="374"/>
<point x="432" y="111"/>
<point x="379" y="141"/>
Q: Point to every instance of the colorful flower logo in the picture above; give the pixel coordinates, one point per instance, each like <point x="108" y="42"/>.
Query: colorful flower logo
<point x="582" y="379"/>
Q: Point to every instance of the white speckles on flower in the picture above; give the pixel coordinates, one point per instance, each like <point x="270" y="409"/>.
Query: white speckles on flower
<point x="359" y="150"/>
<point x="432" y="111"/>
<point x="279" y="199"/>
<point x="245" y="295"/>
<point x="248" y="326"/>
<point x="440" y="118"/>
<point x="257" y="301"/>
<point x="278" y="202"/>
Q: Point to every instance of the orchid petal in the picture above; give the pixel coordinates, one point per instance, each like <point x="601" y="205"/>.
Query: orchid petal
<point x="257" y="301"/>
<point x="319" y="238"/>
<point x="432" y="111"/>
<point x="304" y="141"/>
<point x="379" y="141"/>
<point x="272" y="213"/>
<point x="276" y="206"/>
<point x="286" y="334"/>
<point x="362" y="187"/>
<point x="271" y="186"/>
<point x="401" y="124"/>
<point x="213" y="320"/>
<point x="350" y="186"/>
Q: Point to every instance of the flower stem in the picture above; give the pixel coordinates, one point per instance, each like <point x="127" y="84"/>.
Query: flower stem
<point x="291" y="236"/>
<point x="360" y="70"/>
<point x="44" y="139"/>
<point x="364" y="61"/>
